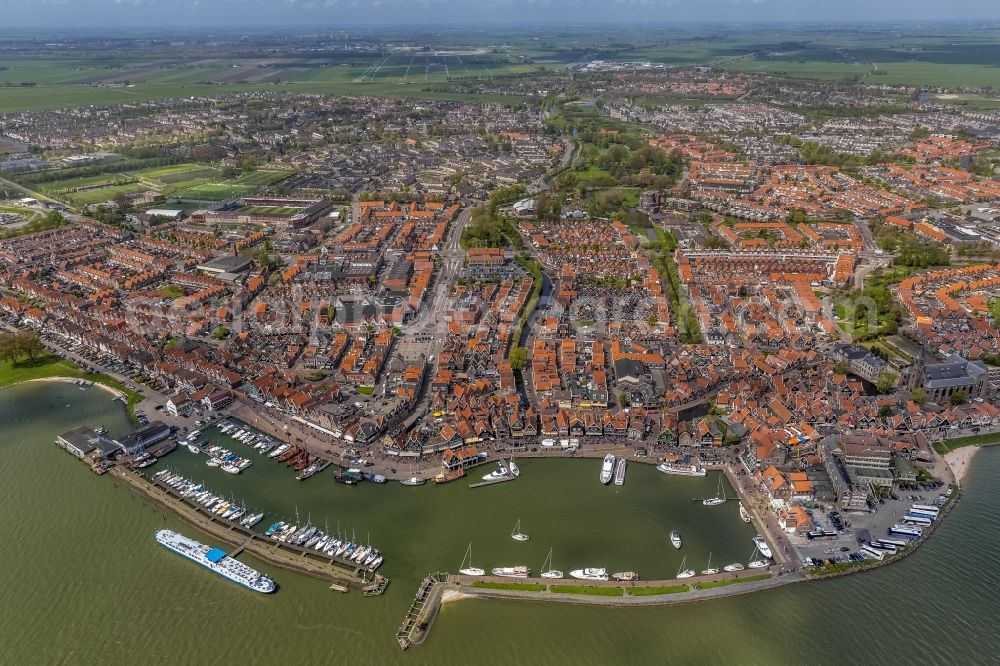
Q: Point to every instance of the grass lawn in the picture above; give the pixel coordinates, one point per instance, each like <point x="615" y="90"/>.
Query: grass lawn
<point x="652" y="591"/>
<point x="730" y="581"/>
<point x="947" y="445"/>
<point x="520" y="587"/>
<point x="172" y="291"/>
<point x="588" y="589"/>
<point x="366" y="390"/>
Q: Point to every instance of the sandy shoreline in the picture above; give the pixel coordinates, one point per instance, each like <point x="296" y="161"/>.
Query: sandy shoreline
<point x="958" y="460"/>
<point x="71" y="380"/>
<point x="454" y="595"/>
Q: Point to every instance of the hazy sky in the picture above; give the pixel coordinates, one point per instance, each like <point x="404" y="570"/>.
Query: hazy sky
<point x="162" y="13"/>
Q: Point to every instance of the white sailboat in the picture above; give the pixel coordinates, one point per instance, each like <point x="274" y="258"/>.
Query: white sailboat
<point x="682" y="572"/>
<point x="720" y="496"/>
<point x="547" y="570"/>
<point x="517" y="535"/>
<point x="466" y="568"/>
<point x="758" y="562"/>
<point x="710" y="570"/>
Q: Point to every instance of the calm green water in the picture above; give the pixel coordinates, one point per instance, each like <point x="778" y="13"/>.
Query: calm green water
<point x="85" y="582"/>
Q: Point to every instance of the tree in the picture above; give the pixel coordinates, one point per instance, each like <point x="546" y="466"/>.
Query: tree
<point x="959" y="397"/>
<point x="220" y="332"/>
<point x="518" y="358"/>
<point x="841" y="367"/>
<point x="885" y="411"/>
<point x="29" y="344"/>
<point x="918" y="395"/>
<point x="886" y="382"/>
<point x="8" y="347"/>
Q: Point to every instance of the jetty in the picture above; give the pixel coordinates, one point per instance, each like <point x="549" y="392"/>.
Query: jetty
<point x="422" y="612"/>
<point x="338" y="572"/>
<point x="507" y="476"/>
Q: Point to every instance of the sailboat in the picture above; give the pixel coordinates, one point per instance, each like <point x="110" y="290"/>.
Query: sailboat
<point x="720" y="496"/>
<point x="516" y="535"/>
<point x="470" y="570"/>
<point x="547" y="570"/>
<point x="710" y="570"/>
<point x="682" y="572"/>
<point x="757" y="563"/>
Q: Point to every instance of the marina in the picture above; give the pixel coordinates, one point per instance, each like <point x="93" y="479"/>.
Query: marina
<point x="430" y="538"/>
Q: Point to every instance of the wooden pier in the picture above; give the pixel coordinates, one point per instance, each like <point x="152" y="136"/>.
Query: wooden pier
<point x="422" y="612"/>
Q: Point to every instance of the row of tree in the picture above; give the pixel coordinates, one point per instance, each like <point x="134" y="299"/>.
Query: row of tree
<point x="14" y="346"/>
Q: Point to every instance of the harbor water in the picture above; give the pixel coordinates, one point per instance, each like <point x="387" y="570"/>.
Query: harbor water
<point x="86" y="582"/>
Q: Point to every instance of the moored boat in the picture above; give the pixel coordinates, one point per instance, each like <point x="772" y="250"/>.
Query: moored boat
<point x="216" y="560"/>
<point x="762" y="546"/>
<point x="675" y="539"/>
<point x="680" y="469"/>
<point x="519" y="571"/>
<point x="620" y="471"/>
<point x="414" y="481"/>
<point x="607" y="468"/>
<point x="590" y="573"/>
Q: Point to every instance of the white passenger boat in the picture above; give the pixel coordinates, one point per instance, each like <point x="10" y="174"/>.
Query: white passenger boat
<point x="675" y="539"/>
<point x="744" y="514"/>
<point x="607" y="468"/>
<point x="735" y="566"/>
<point x="681" y="470"/>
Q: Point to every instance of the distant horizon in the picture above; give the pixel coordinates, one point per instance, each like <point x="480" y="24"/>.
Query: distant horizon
<point x="323" y="15"/>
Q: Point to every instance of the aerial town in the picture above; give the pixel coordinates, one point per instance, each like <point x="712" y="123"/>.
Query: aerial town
<point x="796" y="282"/>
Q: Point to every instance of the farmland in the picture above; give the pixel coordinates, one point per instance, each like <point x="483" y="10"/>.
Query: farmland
<point x="186" y="181"/>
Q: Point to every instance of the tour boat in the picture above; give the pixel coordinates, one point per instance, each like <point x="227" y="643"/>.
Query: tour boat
<point x="625" y="576"/>
<point x="511" y="572"/>
<point x="681" y="470"/>
<point x="590" y="573"/>
<point x="675" y="539"/>
<point x="620" y="471"/>
<point x="516" y="535"/>
<point x="607" y="468"/>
